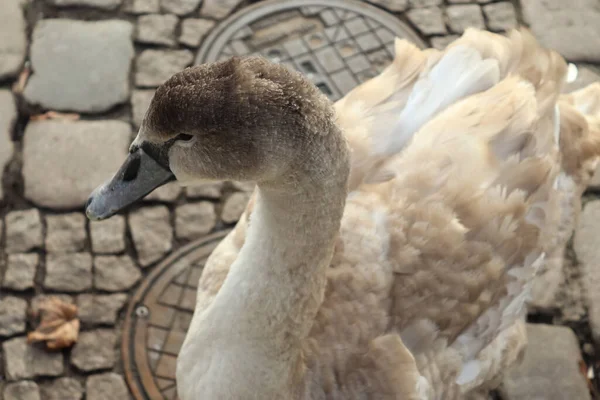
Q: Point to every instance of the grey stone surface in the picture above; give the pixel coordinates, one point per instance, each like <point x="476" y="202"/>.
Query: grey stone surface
<point x="103" y="4"/>
<point x="500" y="16"/>
<point x="140" y="101"/>
<point x="8" y="116"/>
<point x="108" y="236"/>
<point x="100" y="308"/>
<point x="571" y="28"/>
<point x="193" y="31"/>
<point x="151" y="232"/>
<point x="153" y="67"/>
<point x="84" y="155"/>
<point x="586" y="75"/>
<point x="23" y="231"/>
<point x="205" y="190"/>
<point x="25" y="361"/>
<point x="107" y="386"/>
<point x="234" y="206"/>
<point x="194" y="220"/>
<point x="218" y="9"/>
<point x="20" y="271"/>
<point x="70" y="272"/>
<point x="40" y="299"/>
<point x="441" y="42"/>
<point x="550" y="370"/>
<point x="65" y="233"/>
<point x="62" y="389"/>
<point x="13" y="312"/>
<point x="13" y="45"/>
<point x="88" y="63"/>
<point x="586" y="243"/>
<point x="179" y="7"/>
<point x="167" y="193"/>
<point x="461" y="17"/>
<point x="156" y="29"/>
<point x="430" y="21"/>
<point x="95" y="350"/>
<point x="425" y="3"/>
<point x="392" y="5"/>
<point x="22" y="390"/>
<point x="144" y="6"/>
<point x="115" y="273"/>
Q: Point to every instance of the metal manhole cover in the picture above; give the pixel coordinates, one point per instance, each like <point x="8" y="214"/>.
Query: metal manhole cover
<point x="158" y="318"/>
<point x="336" y="43"/>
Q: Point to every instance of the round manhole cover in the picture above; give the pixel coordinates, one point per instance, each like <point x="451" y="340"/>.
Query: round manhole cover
<point x="158" y="318"/>
<point x="336" y="43"/>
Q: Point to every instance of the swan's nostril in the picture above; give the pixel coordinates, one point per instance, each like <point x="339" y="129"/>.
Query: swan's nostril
<point x="132" y="169"/>
<point x="88" y="202"/>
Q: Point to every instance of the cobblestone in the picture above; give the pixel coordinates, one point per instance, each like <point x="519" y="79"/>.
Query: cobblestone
<point x="193" y="31"/>
<point x="71" y="272"/>
<point x="8" y="116"/>
<point x="144" y="6"/>
<point x="180" y="7"/>
<point x="100" y="309"/>
<point x="167" y="193"/>
<point x="115" y="273"/>
<point x="23" y="231"/>
<point x="108" y="386"/>
<point x="152" y="233"/>
<point x="140" y="101"/>
<point x="218" y="9"/>
<point x="103" y="4"/>
<point x="234" y="206"/>
<point x="13" y="312"/>
<point x="108" y="236"/>
<point x="43" y="298"/>
<point x="84" y="155"/>
<point x="22" y="390"/>
<point x="440" y="42"/>
<point x="153" y="67"/>
<point x="500" y="16"/>
<point x="425" y="3"/>
<point x="13" y="45"/>
<point x="430" y="21"/>
<point x="461" y="17"/>
<point x="392" y="5"/>
<point x="65" y="233"/>
<point x="20" y="271"/>
<point x="24" y="361"/>
<point x="86" y="62"/>
<point x="95" y="350"/>
<point x="204" y="191"/>
<point x="62" y="389"/>
<point x="157" y="29"/>
<point x="194" y="220"/>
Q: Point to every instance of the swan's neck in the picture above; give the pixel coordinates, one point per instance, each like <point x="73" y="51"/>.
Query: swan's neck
<point x="267" y="304"/>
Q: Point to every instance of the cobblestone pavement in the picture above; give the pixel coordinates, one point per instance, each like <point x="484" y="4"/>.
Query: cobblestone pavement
<point x="102" y="59"/>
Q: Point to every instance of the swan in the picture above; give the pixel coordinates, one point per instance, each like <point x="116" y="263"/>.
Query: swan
<point x="392" y="239"/>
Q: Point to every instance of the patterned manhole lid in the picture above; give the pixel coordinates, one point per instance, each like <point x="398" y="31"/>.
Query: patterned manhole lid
<point x="158" y="317"/>
<point x="336" y="43"/>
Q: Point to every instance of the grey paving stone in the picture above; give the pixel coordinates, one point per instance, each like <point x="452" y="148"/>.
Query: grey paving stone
<point x="22" y="390"/>
<point x="204" y="191"/>
<point x="23" y="231"/>
<point x="100" y="308"/>
<point x="107" y="386"/>
<point x="586" y="75"/>
<point x="234" y="206"/>
<point x="13" y="45"/>
<point x="62" y="389"/>
<point x="65" y="233"/>
<point x="40" y="299"/>
<point x="441" y="42"/>
<point x="8" y="116"/>
<point x="103" y="4"/>
<point x="550" y="370"/>
<point x="108" y="236"/>
<point x="167" y="193"/>
<point x="140" y="101"/>
<point x="430" y="21"/>
<point x="151" y="232"/>
<point x="392" y="5"/>
<point x="500" y="16"/>
<point x="461" y="17"/>
<point x="115" y="273"/>
<point x="179" y="7"/>
<point x="84" y="155"/>
<point x="25" y="361"/>
<point x="218" y="9"/>
<point x="13" y="312"/>
<point x="194" y="220"/>
<point x="71" y="272"/>
<point x="156" y="29"/>
<point x="425" y="3"/>
<point x="88" y="63"/>
<point x="193" y="31"/>
<point x="95" y="350"/>
<point x="143" y="6"/>
<point x="571" y="28"/>
<point x="153" y="67"/>
<point x="20" y="271"/>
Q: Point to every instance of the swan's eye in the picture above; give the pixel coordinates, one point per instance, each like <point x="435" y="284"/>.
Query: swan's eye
<point x="184" y="137"/>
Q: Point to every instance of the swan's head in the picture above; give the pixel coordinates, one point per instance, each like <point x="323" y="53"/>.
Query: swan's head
<point x="243" y="119"/>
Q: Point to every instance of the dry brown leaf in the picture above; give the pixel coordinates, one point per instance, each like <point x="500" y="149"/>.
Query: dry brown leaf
<point x="55" y="115"/>
<point x="19" y="85"/>
<point x="58" y="327"/>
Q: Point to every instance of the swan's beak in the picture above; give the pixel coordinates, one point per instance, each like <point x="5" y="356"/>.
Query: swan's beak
<point x="139" y="175"/>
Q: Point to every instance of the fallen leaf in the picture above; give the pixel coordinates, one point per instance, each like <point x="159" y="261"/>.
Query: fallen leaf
<point x="55" y="115"/>
<point x="58" y="327"/>
<point x="19" y="85"/>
